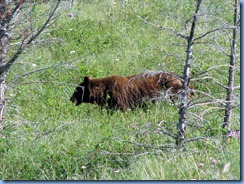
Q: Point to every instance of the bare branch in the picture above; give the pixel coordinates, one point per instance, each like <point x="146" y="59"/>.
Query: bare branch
<point x="183" y="106"/>
<point x="219" y="19"/>
<point x="237" y="87"/>
<point x="210" y="109"/>
<point x="238" y="22"/>
<point x="206" y="102"/>
<point x="55" y="129"/>
<point x="7" y="66"/>
<point x="223" y="51"/>
<point x="230" y="89"/>
<point x="162" y="129"/>
<point x="8" y="16"/>
<point x="50" y="131"/>
<point x="218" y="83"/>
<point x="202" y="138"/>
<point x="206" y="71"/>
<point x="44" y="82"/>
<point x="171" y="31"/>
<point x="44" y="68"/>
<point x="214" y="30"/>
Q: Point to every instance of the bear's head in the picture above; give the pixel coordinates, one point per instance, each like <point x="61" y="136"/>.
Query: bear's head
<point x="82" y="93"/>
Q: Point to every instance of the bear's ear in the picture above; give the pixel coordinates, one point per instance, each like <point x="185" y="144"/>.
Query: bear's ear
<point x="87" y="80"/>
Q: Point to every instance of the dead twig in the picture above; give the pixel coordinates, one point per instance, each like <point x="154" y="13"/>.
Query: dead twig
<point x="214" y="30"/>
<point x="171" y="31"/>
<point x="55" y="129"/>
<point x="6" y="66"/>
<point x="44" y="68"/>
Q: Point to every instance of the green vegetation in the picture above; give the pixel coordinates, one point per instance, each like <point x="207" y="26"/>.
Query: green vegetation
<point x="46" y="137"/>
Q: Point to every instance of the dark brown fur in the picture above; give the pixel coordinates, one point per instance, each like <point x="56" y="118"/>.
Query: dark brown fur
<point x="127" y="92"/>
<point x="150" y="85"/>
<point x="110" y="90"/>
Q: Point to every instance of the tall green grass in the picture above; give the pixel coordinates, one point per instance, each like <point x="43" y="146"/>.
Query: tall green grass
<point x="46" y="137"/>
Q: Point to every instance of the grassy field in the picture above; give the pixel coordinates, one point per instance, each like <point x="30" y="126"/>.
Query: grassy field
<point x="47" y="138"/>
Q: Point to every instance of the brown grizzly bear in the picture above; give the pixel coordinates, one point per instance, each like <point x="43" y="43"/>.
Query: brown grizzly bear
<point x="120" y="92"/>
<point x="110" y="90"/>
<point x="150" y="85"/>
